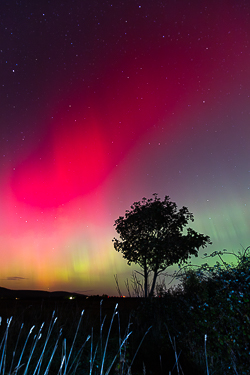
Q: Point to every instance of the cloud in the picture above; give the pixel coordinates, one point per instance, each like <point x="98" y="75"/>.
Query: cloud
<point x="15" y="278"/>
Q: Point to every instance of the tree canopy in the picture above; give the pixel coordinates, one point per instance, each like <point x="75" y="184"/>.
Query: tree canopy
<point x="151" y="235"/>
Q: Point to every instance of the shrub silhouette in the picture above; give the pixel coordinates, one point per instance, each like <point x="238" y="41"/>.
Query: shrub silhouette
<point x="211" y="301"/>
<point x="217" y="305"/>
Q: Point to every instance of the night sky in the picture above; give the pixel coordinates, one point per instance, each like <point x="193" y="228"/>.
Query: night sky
<point x="104" y="103"/>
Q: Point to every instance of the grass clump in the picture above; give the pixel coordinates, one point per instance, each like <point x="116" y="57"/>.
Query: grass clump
<point x="43" y="350"/>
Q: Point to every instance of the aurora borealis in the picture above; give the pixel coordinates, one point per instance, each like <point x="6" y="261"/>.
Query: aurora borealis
<point x="103" y="103"/>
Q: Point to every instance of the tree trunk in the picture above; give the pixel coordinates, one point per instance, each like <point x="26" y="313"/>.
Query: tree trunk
<point x="145" y="279"/>
<point x="153" y="284"/>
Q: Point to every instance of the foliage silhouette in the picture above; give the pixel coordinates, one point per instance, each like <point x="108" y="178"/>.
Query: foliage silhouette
<point x="151" y="235"/>
<point x="216" y="302"/>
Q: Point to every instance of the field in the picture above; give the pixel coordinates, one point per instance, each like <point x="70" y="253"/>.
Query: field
<point x="202" y="328"/>
<point x="95" y="321"/>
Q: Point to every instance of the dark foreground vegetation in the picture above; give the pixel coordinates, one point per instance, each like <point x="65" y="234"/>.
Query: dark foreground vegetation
<point x="201" y="327"/>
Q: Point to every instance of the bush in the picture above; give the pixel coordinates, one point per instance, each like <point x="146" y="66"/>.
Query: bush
<point x="217" y="305"/>
<point x="205" y="320"/>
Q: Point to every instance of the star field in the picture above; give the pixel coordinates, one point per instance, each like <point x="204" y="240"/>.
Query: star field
<point x="103" y="103"/>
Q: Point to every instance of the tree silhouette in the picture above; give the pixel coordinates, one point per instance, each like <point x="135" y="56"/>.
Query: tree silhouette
<point x="151" y="235"/>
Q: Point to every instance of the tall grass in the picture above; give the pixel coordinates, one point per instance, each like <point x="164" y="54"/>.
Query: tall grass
<point x="35" y="353"/>
<point x="52" y="347"/>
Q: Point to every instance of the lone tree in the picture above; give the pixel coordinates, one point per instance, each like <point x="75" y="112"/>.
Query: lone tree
<point x="151" y="235"/>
